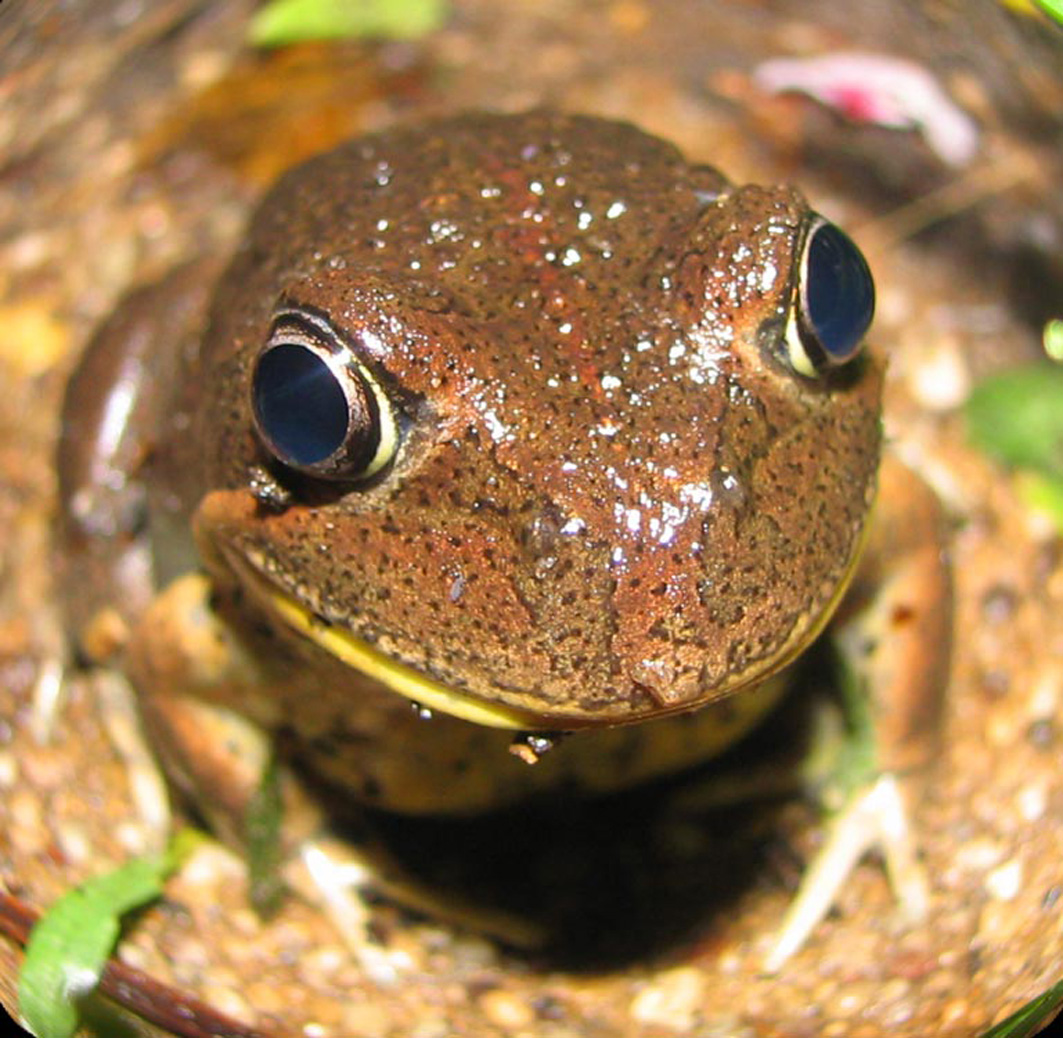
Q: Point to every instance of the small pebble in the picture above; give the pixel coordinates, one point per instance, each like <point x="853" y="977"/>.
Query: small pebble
<point x="506" y="1010"/>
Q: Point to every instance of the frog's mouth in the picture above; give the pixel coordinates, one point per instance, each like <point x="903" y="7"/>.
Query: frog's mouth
<point x="419" y="688"/>
<point x="356" y="652"/>
<point x="365" y="658"/>
<point x="402" y="678"/>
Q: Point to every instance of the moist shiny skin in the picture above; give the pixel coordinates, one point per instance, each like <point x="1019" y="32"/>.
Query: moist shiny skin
<point x="612" y="497"/>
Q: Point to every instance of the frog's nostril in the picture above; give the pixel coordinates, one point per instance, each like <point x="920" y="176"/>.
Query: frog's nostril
<point x="299" y="405"/>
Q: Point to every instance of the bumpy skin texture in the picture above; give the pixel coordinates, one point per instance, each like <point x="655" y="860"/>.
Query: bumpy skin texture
<point x="613" y="498"/>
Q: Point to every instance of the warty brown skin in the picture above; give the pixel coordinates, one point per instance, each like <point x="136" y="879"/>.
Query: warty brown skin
<point x="613" y="500"/>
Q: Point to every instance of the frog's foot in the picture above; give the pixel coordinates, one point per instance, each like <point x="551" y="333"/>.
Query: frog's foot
<point x="336" y="874"/>
<point x="874" y="818"/>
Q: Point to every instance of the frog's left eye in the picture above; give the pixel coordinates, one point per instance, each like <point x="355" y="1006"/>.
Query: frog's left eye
<point x="317" y="407"/>
<point x="833" y="304"/>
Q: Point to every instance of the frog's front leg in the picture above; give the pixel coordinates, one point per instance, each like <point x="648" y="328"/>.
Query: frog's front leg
<point x="894" y="632"/>
<point x="189" y="665"/>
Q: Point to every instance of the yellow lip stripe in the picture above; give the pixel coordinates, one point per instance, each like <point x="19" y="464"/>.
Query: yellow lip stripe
<point x="398" y="677"/>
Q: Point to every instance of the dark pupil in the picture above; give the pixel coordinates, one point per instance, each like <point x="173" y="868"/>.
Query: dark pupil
<point x="840" y="291"/>
<point x="299" y="404"/>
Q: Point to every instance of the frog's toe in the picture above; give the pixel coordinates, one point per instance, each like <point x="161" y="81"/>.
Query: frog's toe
<point x="47" y="697"/>
<point x="336" y="880"/>
<point x="875" y="818"/>
<point x="334" y="874"/>
<point x="118" y="710"/>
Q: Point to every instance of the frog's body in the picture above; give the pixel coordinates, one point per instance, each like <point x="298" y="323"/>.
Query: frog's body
<point x="602" y="456"/>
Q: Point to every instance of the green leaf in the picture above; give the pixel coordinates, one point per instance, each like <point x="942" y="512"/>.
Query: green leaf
<point x="1053" y="8"/>
<point x="70" y="944"/>
<point x="265" y="815"/>
<point x="280" y="22"/>
<point x="1053" y="339"/>
<point x="1032" y="1017"/>
<point x="1017" y="417"/>
<point x="1042" y="494"/>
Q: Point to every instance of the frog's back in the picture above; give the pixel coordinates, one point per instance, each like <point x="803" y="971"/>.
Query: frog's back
<point x="477" y="206"/>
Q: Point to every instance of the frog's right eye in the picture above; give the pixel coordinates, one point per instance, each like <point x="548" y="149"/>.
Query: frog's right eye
<point x="834" y="301"/>
<point x="317" y="407"/>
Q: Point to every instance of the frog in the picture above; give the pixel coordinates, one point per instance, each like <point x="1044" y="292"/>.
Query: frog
<point x="509" y="456"/>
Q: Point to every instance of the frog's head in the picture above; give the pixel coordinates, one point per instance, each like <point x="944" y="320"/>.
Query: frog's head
<point x="537" y="423"/>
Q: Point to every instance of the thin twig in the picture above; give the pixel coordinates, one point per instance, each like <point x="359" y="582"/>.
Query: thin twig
<point x="956" y="196"/>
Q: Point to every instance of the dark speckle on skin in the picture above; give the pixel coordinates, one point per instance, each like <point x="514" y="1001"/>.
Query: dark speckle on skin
<point x="611" y="495"/>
